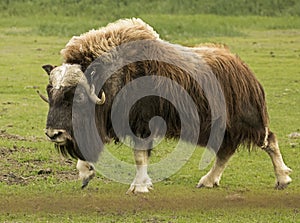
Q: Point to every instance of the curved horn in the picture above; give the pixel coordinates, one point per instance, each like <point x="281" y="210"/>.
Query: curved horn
<point x="95" y="98"/>
<point x="91" y="92"/>
<point x="43" y="97"/>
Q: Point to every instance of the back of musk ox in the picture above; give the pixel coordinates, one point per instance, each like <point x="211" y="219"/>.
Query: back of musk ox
<point x="124" y="81"/>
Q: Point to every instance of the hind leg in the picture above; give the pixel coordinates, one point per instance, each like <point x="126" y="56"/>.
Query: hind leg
<point x="281" y="170"/>
<point x="212" y="178"/>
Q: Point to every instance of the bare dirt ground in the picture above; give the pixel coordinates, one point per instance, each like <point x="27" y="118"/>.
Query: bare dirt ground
<point x="94" y="201"/>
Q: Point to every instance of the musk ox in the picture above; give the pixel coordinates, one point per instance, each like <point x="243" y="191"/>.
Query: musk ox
<point x="227" y="100"/>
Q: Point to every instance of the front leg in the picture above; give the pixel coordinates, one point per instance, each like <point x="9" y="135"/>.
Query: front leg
<point x="86" y="172"/>
<point x="142" y="182"/>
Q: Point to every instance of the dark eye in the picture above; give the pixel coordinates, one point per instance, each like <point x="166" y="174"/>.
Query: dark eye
<point x="68" y="94"/>
<point x="49" y="87"/>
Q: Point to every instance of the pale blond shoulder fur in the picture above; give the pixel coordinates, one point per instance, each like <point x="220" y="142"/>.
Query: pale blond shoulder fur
<point x="87" y="47"/>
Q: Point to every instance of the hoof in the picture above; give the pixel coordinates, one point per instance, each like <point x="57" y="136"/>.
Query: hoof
<point x="207" y="186"/>
<point x="284" y="179"/>
<point x="85" y="181"/>
<point x="279" y="186"/>
<point x="283" y="184"/>
<point x="138" y="188"/>
<point x="208" y="182"/>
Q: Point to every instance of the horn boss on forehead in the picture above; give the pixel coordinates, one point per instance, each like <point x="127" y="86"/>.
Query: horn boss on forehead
<point x="70" y="75"/>
<point x="67" y="75"/>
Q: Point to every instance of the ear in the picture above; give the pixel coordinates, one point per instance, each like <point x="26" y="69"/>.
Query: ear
<point x="48" y="68"/>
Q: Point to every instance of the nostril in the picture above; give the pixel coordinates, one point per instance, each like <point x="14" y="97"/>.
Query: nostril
<point x="53" y="134"/>
<point x="56" y="135"/>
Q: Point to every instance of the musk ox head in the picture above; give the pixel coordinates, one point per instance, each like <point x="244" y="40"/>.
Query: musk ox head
<point x="68" y="88"/>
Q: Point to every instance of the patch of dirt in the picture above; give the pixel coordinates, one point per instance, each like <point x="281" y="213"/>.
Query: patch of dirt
<point x="5" y="135"/>
<point x="93" y="201"/>
<point x="16" y="170"/>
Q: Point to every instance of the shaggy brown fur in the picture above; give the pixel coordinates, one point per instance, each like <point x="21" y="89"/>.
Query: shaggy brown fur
<point x="246" y="113"/>
<point x="245" y="98"/>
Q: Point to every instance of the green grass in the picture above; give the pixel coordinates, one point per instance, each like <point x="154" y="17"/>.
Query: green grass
<point x="169" y="26"/>
<point x="270" y="45"/>
<point x="106" y="9"/>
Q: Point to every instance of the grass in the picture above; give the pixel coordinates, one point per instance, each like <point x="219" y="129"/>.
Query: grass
<point x="121" y="8"/>
<point x="270" y="45"/>
<point x="169" y="26"/>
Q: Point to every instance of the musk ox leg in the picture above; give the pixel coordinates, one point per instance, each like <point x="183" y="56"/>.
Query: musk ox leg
<point x="86" y="172"/>
<point x="142" y="182"/>
<point x="281" y="170"/>
<point x="212" y="178"/>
